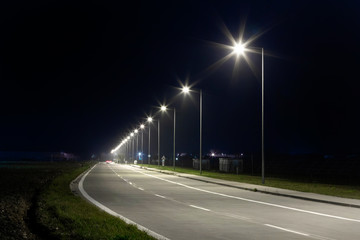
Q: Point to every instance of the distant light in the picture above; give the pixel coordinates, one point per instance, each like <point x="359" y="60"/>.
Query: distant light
<point x="176" y="159"/>
<point x="149" y="119"/>
<point x="128" y="138"/>
<point x="136" y="131"/>
<point x="163" y="108"/>
<point x="131" y="134"/>
<point x="142" y="126"/>
<point x="185" y="89"/>
<point x="238" y="48"/>
<point x="139" y="153"/>
<point x="213" y="154"/>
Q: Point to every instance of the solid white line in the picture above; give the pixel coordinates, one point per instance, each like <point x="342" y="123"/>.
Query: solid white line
<point x="99" y="205"/>
<point x="287" y="230"/>
<point x="140" y="188"/>
<point x="159" y="196"/>
<point x="205" y="209"/>
<point x="250" y="200"/>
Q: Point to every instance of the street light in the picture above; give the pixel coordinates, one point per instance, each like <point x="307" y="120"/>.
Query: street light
<point x="132" y="146"/>
<point x="137" y="143"/>
<point x="149" y="155"/>
<point x="128" y="147"/>
<point x="142" y="126"/>
<point x="163" y="109"/>
<point x="150" y="119"/>
<point x="186" y="90"/>
<point x="239" y="49"/>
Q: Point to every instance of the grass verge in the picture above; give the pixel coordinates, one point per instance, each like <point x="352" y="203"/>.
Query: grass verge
<point x="66" y="216"/>
<point x="291" y="184"/>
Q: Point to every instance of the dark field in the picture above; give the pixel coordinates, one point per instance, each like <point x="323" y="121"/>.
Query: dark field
<point x="20" y="184"/>
<point x="37" y="203"/>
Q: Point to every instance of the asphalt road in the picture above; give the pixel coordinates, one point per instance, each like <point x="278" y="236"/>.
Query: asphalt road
<point x="180" y="208"/>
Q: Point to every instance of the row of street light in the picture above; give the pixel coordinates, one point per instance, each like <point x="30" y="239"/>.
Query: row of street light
<point x="128" y="147"/>
<point x="238" y="49"/>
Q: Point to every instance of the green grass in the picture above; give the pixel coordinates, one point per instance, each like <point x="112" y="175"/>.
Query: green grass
<point x="345" y="191"/>
<point x="67" y="216"/>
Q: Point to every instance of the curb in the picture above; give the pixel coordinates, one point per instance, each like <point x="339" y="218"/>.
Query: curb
<point x="78" y="183"/>
<point x="255" y="190"/>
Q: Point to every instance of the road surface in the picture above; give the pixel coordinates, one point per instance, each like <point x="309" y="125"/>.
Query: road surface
<point x="180" y="208"/>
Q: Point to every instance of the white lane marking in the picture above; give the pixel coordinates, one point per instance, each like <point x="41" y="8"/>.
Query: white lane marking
<point x="205" y="209"/>
<point x="159" y="196"/>
<point x="126" y="179"/>
<point x="287" y="230"/>
<point x="250" y="200"/>
<point x="99" y="205"/>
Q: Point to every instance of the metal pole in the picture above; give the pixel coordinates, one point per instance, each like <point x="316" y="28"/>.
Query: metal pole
<point x="262" y="117"/>
<point x="158" y="142"/>
<point x="127" y="150"/>
<point x="137" y="146"/>
<point x="200" y="130"/>
<point x="174" y="138"/>
<point x="142" y="145"/>
<point x="149" y="155"/>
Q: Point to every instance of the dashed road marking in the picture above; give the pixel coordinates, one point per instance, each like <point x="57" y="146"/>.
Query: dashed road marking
<point x="205" y="209"/>
<point x="287" y="230"/>
<point x="159" y="196"/>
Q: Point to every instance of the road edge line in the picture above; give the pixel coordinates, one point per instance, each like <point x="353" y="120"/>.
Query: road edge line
<point x="111" y="212"/>
<point x="260" y="191"/>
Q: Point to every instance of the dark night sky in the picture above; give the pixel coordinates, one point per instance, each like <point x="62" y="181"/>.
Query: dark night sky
<point x="76" y="76"/>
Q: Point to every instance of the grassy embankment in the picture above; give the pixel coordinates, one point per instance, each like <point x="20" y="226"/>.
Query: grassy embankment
<point x="291" y="184"/>
<point x="67" y="216"/>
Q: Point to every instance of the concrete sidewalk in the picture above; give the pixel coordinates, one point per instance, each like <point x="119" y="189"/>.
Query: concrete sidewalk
<point x="265" y="189"/>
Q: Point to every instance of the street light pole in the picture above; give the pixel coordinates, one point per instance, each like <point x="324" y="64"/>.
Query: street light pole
<point x="137" y="144"/>
<point x="262" y="118"/>
<point x="158" y="142"/>
<point x="127" y="150"/>
<point x="174" y="137"/>
<point x="142" y="126"/>
<point x="163" y="109"/>
<point x="238" y="49"/>
<point x="200" y="157"/>
<point x="185" y="90"/>
<point x="149" y="154"/>
<point x="133" y="148"/>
